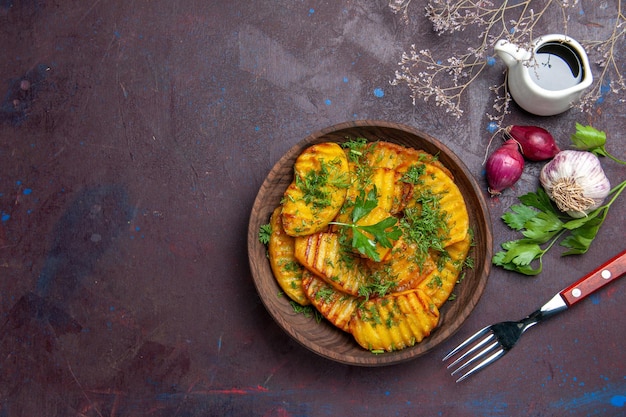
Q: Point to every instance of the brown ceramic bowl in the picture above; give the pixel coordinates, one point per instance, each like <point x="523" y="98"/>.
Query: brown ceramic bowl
<point x="323" y="338"/>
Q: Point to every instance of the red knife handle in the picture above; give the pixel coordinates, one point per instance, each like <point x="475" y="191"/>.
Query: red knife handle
<point x="606" y="273"/>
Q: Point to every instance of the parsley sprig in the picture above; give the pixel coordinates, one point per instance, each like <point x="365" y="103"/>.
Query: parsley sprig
<point x="265" y="232"/>
<point x="366" y="237"/>
<point x="542" y="225"/>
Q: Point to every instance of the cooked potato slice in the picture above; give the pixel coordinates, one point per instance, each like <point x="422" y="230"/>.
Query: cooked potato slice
<point x="286" y="269"/>
<point x="337" y="307"/>
<point x="392" y="192"/>
<point x="323" y="255"/>
<point x="390" y="155"/>
<point x="395" y="321"/>
<point x="318" y="190"/>
<point x="435" y="183"/>
<point x="440" y="283"/>
<point x="406" y="266"/>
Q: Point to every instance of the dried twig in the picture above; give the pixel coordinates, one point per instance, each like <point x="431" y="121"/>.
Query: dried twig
<point x="445" y="80"/>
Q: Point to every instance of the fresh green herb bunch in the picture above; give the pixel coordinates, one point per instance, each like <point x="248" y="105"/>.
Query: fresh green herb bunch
<point x="542" y="225"/>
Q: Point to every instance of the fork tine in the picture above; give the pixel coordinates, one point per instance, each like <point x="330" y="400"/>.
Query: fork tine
<point x="479" y="355"/>
<point x="467" y="342"/>
<point x="472" y="350"/>
<point x="494" y="357"/>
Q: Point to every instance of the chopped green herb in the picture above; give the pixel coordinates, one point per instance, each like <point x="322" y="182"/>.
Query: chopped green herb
<point x="414" y="174"/>
<point x="376" y="285"/>
<point x="265" y="231"/>
<point x="356" y="148"/>
<point x="426" y="224"/>
<point x="306" y="311"/>
<point x="313" y="185"/>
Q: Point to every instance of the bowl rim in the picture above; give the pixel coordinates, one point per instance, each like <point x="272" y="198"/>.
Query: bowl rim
<point x="291" y="326"/>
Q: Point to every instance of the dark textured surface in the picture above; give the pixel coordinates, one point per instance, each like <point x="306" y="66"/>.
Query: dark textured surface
<point x="129" y="165"/>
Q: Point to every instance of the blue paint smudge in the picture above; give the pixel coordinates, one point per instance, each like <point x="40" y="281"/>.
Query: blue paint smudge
<point x="117" y="34"/>
<point x="618" y="400"/>
<point x="311" y="11"/>
<point x="590" y="401"/>
<point x="378" y="92"/>
<point x="256" y="128"/>
<point x="492" y="127"/>
<point x="5" y="217"/>
<point x="27" y="191"/>
<point x="345" y="79"/>
<point x="327" y="102"/>
<point x="491" y="61"/>
<point x="605" y="87"/>
<point x="595" y="298"/>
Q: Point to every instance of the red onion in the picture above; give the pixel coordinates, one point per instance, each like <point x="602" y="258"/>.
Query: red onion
<point x="504" y="167"/>
<point x="537" y="143"/>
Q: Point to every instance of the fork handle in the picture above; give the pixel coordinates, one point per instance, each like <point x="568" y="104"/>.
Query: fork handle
<point x="606" y="273"/>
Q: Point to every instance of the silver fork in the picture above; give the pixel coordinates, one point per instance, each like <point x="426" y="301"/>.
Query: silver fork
<point x="492" y="342"/>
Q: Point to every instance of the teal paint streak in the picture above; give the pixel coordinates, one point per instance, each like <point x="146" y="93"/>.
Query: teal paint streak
<point x="601" y="402"/>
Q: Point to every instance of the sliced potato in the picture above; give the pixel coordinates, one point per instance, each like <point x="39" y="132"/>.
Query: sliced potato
<point x="287" y="270"/>
<point x="395" y="321"/>
<point x="322" y="254"/>
<point x="440" y="283"/>
<point x="337" y="307"/>
<point x="450" y="202"/>
<point x="390" y="155"/>
<point x="392" y="192"/>
<point x="406" y="266"/>
<point x="318" y="190"/>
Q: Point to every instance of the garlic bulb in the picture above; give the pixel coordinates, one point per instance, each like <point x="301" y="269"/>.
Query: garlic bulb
<point x="575" y="181"/>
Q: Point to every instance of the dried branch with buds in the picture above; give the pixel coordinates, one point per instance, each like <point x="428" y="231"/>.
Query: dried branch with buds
<point x="446" y="80"/>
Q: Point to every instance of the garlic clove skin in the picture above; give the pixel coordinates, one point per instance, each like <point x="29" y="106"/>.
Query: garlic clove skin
<point x="575" y="181"/>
